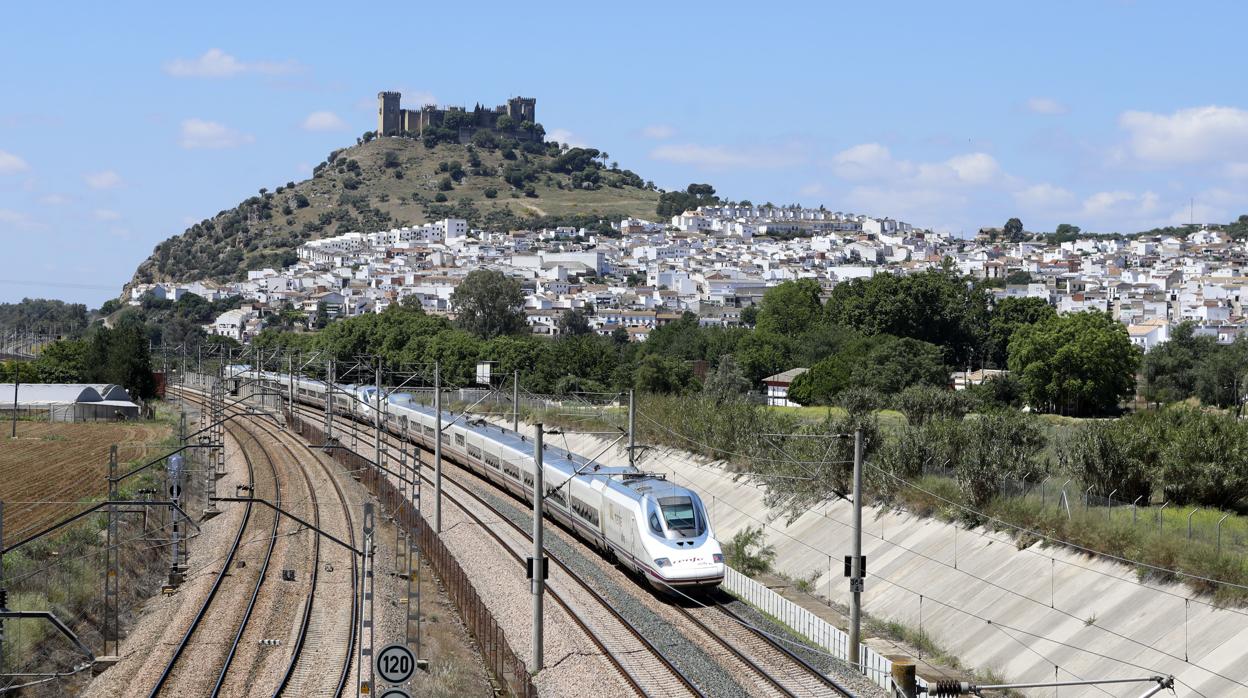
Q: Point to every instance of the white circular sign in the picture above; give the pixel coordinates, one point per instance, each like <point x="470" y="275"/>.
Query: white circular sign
<point x="395" y="664"/>
<point x="395" y="693"/>
<point x="175" y="491"/>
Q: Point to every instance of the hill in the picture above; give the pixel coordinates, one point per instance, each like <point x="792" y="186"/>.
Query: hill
<point x="390" y="182"/>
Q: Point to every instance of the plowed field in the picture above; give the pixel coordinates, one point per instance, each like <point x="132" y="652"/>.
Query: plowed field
<point x="51" y="466"/>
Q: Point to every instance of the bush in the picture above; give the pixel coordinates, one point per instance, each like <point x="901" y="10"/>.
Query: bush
<point x="749" y="553"/>
<point x="440" y="197"/>
<point x="490" y="192"/>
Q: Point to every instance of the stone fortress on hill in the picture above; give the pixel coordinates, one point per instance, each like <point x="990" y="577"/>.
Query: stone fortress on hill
<point x="393" y="120"/>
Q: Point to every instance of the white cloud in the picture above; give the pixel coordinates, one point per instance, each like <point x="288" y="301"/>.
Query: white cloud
<point x="54" y="200"/>
<point x="1043" y="197"/>
<point x="323" y="121"/>
<point x="908" y="203"/>
<point x="1192" y="135"/>
<point x="563" y="135"/>
<point x="215" y="63"/>
<point x="15" y="219"/>
<point x="104" y="214"/>
<point x="658" y="132"/>
<point x="198" y="133"/>
<point x="1120" y="204"/>
<point x="1044" y="105"/>
<point x="869" y="161"/>
<point x="11" y="164"/>
<point x="872" y="161"/>
<point x="106" y="179"/>
<point x="718" y="157"/>
<point x="974" y="168"/>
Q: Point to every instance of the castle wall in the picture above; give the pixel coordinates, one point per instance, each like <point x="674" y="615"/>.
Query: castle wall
<point x="393" y="120"/>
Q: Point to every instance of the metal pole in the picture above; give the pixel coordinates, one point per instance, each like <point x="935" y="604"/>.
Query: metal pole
<point x="632" y="427"/>
<point x="4" y="594"/>
<point x="366" y="606"/>
<point x="290" y="390"/>
<point x="17" y="383"/>
<point x="855" y="578"/>
<point x="515" y="401"/>
<point x="377" y="422"/>
<point x="1220" y="532"/>
<point x="537" y="565"/>
<point x="437" y="448"/>
<point x="111" y="564"/>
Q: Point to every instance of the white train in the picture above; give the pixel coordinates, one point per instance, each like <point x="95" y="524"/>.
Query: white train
<point x="651" y="526"/>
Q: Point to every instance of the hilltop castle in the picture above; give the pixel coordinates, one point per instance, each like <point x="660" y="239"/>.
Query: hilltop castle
<point x="392" y="120"/>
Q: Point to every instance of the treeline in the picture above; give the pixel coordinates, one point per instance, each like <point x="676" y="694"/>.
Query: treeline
<point x="885" y="333"/>
<point x="173" y="323"/>
<point x="44" y="315"/>
<point x="1190" y="366"/>
<point x="120" y="356"/>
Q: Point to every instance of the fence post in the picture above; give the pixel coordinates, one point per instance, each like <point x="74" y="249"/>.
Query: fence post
<point x="1137" y="501"/>
<point x="1189" y="522"/>
<point x="1220" y="532"/>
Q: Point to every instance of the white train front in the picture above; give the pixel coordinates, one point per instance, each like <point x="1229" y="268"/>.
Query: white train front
<point x="651" y="526"/>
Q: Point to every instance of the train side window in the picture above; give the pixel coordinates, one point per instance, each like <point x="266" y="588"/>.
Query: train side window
<point x="654" y="524"/>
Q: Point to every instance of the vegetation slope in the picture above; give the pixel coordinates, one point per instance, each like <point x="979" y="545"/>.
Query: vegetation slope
<point x="381" y="183"/>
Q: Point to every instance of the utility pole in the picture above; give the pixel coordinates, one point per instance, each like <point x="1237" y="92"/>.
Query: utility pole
<point x="4" y="593"/>
<point x="290" y="394"/>
<point x="856" y="571"/>
<point x="632" y="428"/>
<point x="17" y="383"/>
<point x="515" y="401"/>
<point x="437" y="448"/>
<point x="377" y="421"/>
<point x="537" y="563"/>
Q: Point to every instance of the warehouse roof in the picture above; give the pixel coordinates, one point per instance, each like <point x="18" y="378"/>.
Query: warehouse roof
<point x="48" y="394"/>
<point x="109" y="391"/>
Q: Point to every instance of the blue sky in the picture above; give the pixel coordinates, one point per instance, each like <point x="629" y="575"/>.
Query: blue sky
<point x="121" y="123"/>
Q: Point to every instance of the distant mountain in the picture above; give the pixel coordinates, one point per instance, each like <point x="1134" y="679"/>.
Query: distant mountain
<point x="391" y="182"/>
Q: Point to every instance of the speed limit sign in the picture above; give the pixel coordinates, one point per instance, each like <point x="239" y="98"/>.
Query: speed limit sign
<point x="395" y="664"/>
<point x="395" y="693"/>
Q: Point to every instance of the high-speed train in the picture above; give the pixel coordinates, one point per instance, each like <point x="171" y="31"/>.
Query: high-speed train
<point x="650" y="525"/>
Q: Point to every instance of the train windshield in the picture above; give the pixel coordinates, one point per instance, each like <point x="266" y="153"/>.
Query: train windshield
<point x="682" y="516"/>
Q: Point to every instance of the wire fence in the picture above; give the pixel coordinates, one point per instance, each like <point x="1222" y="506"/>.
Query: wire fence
<point x="1222" y="531"/>
<point x="492" y="642"/>
<point x="816" y="630"/>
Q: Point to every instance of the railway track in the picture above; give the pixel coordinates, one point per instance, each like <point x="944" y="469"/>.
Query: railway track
<point x="761" y="664"/>
<point x="177" y="670"/>
<point x="318" y="633"/>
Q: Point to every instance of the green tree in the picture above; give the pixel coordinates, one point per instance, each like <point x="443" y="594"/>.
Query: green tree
<point x="1007" y="317"/>
<point x="923" y="403"/>
<point x="62" y="362"/>
<point x="1013" y="230"/>
<point x="662" y="374"/>
<point x="1102" y="454"/>
<point x="935" y="306"/>
<point x="488" y="303"/>
<point x="997" y="445"/>
<point x="1075" y="364"/>
<point x="727" y="383"/>
<point x="574" y="322"/>
<point x="790" y="308"/>
<point x="1066" y="233"/>
<point x="1171" y="369"/>
<point x="749" y="553"/>
<point x="1221" y="373"/>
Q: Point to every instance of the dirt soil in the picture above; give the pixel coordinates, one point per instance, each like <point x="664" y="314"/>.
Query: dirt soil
<point x="50" y="467"/>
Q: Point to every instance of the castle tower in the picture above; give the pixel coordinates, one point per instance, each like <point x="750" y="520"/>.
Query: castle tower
<point x="522" y="109"/>
<point x="389" y="119"/>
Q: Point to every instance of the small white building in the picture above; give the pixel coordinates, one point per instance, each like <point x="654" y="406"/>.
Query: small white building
<point x="778" y="387"/>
